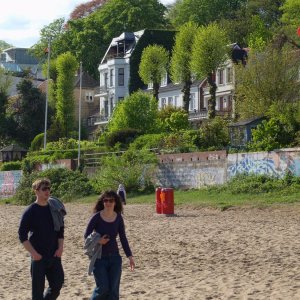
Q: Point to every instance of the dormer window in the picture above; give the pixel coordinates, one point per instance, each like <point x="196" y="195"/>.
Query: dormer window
<point x="164" y="80"/>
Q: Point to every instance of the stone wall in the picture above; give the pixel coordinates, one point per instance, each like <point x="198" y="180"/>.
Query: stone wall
<point x="195" y="170"/>
<point x="192" y="170"/>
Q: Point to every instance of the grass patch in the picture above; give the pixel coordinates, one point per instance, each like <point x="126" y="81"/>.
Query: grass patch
<point x="214" y="199"/>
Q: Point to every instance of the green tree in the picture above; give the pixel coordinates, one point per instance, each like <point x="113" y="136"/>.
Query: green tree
<point x="180" y="67"/>
<point x="137" y="111"/>
<point x="214" y="134"/>
<point x="118" y="16"/>
<point x="178" y="121"/>
<point x="4" y="45"/>
<point x="209" y="52"/>
<point x="270" y="79"/>
<point x="265" y="137"/>
<point x="291" y="20"/>
<point x="28" y="112"/>
<point x="153" y="66"/>
<point x="66" y="67"/>
<point x="5" y="82"/>
<point x="202" y="12"/>
<point x="53" y="32"/>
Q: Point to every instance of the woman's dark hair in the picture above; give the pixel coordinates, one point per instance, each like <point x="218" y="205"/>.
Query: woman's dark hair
<point x="109" y="194"/>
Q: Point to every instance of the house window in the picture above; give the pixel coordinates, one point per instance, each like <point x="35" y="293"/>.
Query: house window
<point x="229" y="75"/>
<point x="176" y="101"/>
<point x="225" y="104"/>
<point x="217" y="107"/>
<point x="170" y="101"/>
<point x="111" y="76"/>
<point x="89" y="97"/>
<point x="164" y="80"/>
<point x="105" y="76"/>
<point x="163" y="102"/>
<point x="150" y="85"/>
<point x="192" y="101"/>
<point x="121" y="76"/>
<point x="221" y="76"/>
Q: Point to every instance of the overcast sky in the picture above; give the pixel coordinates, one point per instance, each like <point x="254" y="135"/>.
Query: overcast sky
<point x="22" y="20"/>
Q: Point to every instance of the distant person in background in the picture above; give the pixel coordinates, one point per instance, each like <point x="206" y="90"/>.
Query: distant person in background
<point x="122" y="193"/>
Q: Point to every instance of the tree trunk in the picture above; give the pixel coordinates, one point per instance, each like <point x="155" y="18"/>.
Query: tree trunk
<point x="155" y="90"/>
<point x="212" y="101"/>
<point x="186" y="90"/>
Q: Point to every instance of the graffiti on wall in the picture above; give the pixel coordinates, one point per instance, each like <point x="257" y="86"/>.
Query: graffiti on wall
<point x="9" y="181"/>
<point x="275" y="164"/>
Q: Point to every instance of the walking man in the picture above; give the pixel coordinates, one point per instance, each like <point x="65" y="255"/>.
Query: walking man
<point x="41" y="232"/>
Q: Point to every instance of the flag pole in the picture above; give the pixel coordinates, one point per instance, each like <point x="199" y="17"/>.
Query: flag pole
<point x="79" y="113"/>
<point x="47" y="93"/>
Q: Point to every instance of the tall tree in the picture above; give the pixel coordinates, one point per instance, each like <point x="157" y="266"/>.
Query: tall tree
<point x="84" y="9"/>
<point x="202" y="12"/>
<point x="5" y="82"/>
<point x="153" y="66"/>
<point x="66" y="66"/>
<point x="28" y="112"/>
<point x="209" y="52"/>
<point x="291" y="21"/>
<point x="138" y="111"/>
<point x="269" y="81"/>
<point x="181" y="60"/>
<point x="53" y="32"/>
<point x="118" y="16"/>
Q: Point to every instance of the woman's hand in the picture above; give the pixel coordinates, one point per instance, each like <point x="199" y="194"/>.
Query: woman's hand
<point x="104" y="239"/>
<point x="131" y="263"/>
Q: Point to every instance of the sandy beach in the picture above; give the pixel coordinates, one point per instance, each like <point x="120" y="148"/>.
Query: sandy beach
<point x="197" y="254"/>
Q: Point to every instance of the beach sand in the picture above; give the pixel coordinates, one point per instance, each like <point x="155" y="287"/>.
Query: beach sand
<point x="197" y="254"/>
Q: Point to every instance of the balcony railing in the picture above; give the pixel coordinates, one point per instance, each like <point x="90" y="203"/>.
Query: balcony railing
<point x="198" y="114"/>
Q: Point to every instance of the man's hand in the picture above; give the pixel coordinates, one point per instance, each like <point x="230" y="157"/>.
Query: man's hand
<point x="36" y="256"/>
<point x="59" y="251"/>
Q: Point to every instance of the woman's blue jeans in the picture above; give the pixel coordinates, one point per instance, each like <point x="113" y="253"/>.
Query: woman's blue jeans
<point x="107" y="272"/>
<point x="50" y="268"/>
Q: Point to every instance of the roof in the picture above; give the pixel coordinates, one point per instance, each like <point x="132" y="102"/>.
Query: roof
<point x="247" y="121"/>
<point x="12" y="90"/>
<point x="130" y="39"/>
<point x="171" y="86"/>
<point x="13" y="147"/>
<point x="87" y="81"/>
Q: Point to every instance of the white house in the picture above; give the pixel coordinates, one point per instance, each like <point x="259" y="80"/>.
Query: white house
<point x="117" y="72"/>
<point x="119" y="67"/>
<point x="171" y="94"/>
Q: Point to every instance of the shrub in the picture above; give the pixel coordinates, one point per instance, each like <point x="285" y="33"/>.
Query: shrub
<point x="148" y="141"/>
<point x="12" y="165"/>
<point x="123" y="136"/>
<point x="65" y="184"/>
<point x="214" y="134"/>
<point x="134" y="169"/>
<point x="259" y="184"/>
<point x="37" y="143"/>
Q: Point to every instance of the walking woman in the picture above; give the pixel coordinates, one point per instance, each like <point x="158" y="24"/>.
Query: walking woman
<point x="107" y="222"/>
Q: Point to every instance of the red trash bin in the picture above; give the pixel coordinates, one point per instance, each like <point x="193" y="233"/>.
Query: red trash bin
<point x="167" y="201"/>
<point x="158" y="200"/>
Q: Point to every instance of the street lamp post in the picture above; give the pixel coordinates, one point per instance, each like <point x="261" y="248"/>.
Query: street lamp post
<point x="47" y="93"/>
<point x="79" y="113"/>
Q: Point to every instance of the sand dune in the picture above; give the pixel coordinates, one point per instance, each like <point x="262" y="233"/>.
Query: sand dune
<point x="197" y="254"/>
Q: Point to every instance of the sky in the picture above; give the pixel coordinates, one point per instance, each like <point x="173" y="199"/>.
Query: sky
<point x="22" y="20"/>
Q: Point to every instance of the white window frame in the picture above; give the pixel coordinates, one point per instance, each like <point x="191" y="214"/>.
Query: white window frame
<point x="220" y="76"/>
<point x="192" y="101"/>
